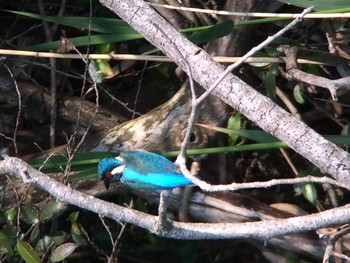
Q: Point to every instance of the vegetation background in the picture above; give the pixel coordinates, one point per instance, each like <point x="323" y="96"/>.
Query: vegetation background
<point x="59" y="97"/>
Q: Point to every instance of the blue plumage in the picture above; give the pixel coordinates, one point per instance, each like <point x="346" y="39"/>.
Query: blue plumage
<point x="142" y="170"/>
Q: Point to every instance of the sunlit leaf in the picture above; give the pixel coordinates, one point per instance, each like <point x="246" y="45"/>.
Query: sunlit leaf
<point x="54" y="239"/>
<point x="62" y="251"/>
<point x="73" y="217"/>
<point x="298" y="95"/>
<point x="11" y="214"/>
<point x="77" y="235"/>
<point x="27" y="252"/>
<point x="310" y="192"/>
<point x="234" y="122"/>
<point x="255" y="135"/>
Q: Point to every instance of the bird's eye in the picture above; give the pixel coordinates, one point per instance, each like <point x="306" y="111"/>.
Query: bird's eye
<point x="194" y="137"/>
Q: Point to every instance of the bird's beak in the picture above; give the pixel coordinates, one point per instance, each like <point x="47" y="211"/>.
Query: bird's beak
<point x="106" y="182"/>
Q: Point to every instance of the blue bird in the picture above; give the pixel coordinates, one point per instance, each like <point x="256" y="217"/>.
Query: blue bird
<point x="141" y="170"/>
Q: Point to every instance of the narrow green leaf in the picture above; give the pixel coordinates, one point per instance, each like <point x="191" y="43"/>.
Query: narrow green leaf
<point x="270" y="82"/>
<point x="214" y="32"/>
<point x="35" y="234"/>
<point x="88" y="40"/>
<point x="62" y="251"/>
<point x="255" y="135"/>
<point x="298" y="95"/>
<point x="234" y="122"/>
<point x="240" y="148"/>
<point x="81" y="161"/>
<point x="73" y="217"/>
<point x="27" y="252"/>
<point x="102" y="25"/>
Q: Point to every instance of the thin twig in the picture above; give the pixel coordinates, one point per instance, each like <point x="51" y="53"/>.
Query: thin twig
<point x="251" y="14"/>
<point x="263" y="44"/>
<point x="14" y="139"/>
<point x="24" y="53"/>
<point x="138" y="89"/>
<point x="53" y="77"/>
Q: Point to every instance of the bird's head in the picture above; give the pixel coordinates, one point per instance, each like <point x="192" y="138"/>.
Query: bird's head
<point x="110" y="169"/>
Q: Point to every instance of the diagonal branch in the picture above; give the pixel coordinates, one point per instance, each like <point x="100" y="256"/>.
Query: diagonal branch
<point x="232" y="90"/>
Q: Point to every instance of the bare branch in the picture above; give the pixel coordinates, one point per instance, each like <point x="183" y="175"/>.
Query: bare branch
<point x="261" y="110"/>
<point x="257" y="230"/>
<point x="293" y="73"/>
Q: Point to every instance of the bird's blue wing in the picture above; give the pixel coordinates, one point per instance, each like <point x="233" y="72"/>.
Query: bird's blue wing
<point x="146" y="162"/>
<point x="145" y="170"/>
<point x="153" y="180"/>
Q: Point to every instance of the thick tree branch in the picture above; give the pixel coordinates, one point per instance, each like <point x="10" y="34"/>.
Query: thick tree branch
<point x="258" y="108"/>
<point x="256" y="230"/>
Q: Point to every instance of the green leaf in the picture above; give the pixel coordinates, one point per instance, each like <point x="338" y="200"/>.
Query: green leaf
<point x="298" y="95"/>
<point x="27" y="252"/>
<point x="310" y="193"/>
<point x="81" y="161"/>
<point x="337" y="139"/>
<point x="73" y="217"/>
<point x="11" y="214"/>
<point x="54" y="239"/>
<point x="234" y="122"/>
<point x="213" y="32"/>
<point x="51" y="210"/>
<point x="62" y="251"/>
<point x="8" y="235"/>
<point x="115" y="30"/>
<point x="77" y="235"/>
<point x="88" y="40"/>
<point x="101" y="25"/>
<point x="255" y="135"/>
<point x="240" y="148"/>
<point x="270" y="82"/>
<point x="35" y="234"/>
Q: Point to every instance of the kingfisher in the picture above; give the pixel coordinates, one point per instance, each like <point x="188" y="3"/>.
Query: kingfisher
<point x="142" y="170"/>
